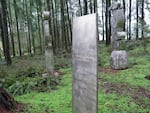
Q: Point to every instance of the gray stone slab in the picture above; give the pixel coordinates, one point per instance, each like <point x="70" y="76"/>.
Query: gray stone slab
<point x="84" y="53"/>
<point x="46" y="28"/>
<point x="49" y="58"/>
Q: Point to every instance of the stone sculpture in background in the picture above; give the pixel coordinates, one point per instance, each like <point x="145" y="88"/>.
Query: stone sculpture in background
<point x="118" y="58"/>
<point x="49" y="57"/>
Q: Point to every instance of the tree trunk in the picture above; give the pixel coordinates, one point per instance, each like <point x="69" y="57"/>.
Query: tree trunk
<point x="95" y="6"/>
<point x="91" y="9"/>
<point x="31" y="28"/>
<point x="18" y="34"/>
<point x="137" y="19"/>
<point x="107" y="22"/>
<point x="4" y="27"/>
<point x="51" y="31"/>
<point x="130" y="20"/>
<point x="80" y="7"/>
<point x="54" y="26"/>
<point x="142" y="19"/>
<point x="39" y="27"/>
<point x="85" y="7"/>
<point x="7" y="103"/>
<point x="2" y="33"/>
<point x="28" y="26"/>
<point x="63" y="27"/>
<point x="109" y="13"/>
<point x="11" y="30"/>
<point x="69" y="23"/>
<point x="103" y="19"/>
<point x="124" y="8"/>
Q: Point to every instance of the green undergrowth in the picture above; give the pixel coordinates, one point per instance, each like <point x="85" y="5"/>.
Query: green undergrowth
<point x="119" y="91"/>
<point x="56" y="101"/>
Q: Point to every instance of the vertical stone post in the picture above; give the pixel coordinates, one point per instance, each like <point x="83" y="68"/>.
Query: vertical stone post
<point x="118" y="58"/>
<point x="49" y="57"/>
<point x="84" y="54"/>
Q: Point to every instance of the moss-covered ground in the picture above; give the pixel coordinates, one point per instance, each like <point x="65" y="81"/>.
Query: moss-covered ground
<point x="119" y="91"/>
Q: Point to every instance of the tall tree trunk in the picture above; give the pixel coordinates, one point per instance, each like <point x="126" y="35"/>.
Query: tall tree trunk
<point x="63" y="27"/>
<point x="31" y="27"/>
<point x="69" y="22"/>
<point x="103" y="19"/>
<point x="2" y="32"/>
<point x="137" y="19"/>
<point x="109" y="4"/>
<point x="18" y="34"/>
<point x="11" y="29"/>
<point x="7" y="103"/>
<point x="4" y="22"/>
<point x="80" y="7"/>
<point x="57" y="26"/>
<point x="85" y="7"/>
<point x="124" y="8"/>
<point x="51" y="31"/>
<point x="142" y="18"/>
<point x="54" y="30"/>
<point x="28" y="26"/>
<point x="107" y="22"/>
<point x="39" y="27"/>
<point x="95" y="6"/>
<point x="130" y="4"/>
<point x="91" y="9"/>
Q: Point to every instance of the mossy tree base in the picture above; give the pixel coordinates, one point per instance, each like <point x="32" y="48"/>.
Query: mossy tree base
<point x="7" y="103"/>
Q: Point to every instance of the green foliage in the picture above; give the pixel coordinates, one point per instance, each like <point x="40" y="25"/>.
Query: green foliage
<point x="119" y="90"/>
<point x="28" y="81"/>
<point x="25" y="76"/>
<point x="35" y="83"/>
<point x="103" y="57"/>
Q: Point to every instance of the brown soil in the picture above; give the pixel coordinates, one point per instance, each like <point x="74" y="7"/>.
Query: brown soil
<point x="109" y="70"/>
<point x="8" y="104"/>
<point x="137" y="93"/>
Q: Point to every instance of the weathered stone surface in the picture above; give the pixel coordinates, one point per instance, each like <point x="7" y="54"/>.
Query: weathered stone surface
<point x="46" y="15"/>
<point x="46" y="28"/>
<point x="49" y="57"/>
<point x="85" y="64"/>
<point x="117" y="24"/>
<point x="49" y="60"/>
<point x="119" y="59"/>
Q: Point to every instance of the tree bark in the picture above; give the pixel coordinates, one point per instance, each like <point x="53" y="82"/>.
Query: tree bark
<point x="137" y="19"/>
<point x="130" y="19"/>
<point x="39" y="27"/>
<point x="124" y="8"/>
<point x="69" y="23"/>
<point x="28" y="26"/>
<point x="95" y="6"/>
<point x="4" y="26"/>
<point x="85" y="7"/>
<point x="80" y="7"/>
<point x="103" y="19"/>
<point x="107" y="23"/>
<point x="18" y="34"/>
<point x="11" y="30"/>
<point x="7" y="103"/>
<point x="142" y="18"/>
<point x="91" y="9"/>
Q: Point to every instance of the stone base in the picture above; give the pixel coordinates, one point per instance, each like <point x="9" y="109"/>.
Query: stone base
<point x="119" y="59"/>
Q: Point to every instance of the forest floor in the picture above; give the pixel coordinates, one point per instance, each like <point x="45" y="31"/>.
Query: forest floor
<point x="119" y="91"/>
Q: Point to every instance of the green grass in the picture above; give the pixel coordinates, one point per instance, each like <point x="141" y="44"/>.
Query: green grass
<point x="123" y="92"/>
<point x="57" y="101"/>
